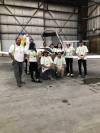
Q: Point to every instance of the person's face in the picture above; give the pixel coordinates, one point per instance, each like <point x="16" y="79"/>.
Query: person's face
<point x="52" y="46"/>
<point x="46" y="54"/>
<point x="18" y="41"/>
<point x="81" y="44"/>
<point x="59" y="54"/>
<point x="27" y="34"/>
<point x="59" y="45"/>
<point x="31" y="40"/>
<point x="67" y="45"/>
<point x="55" y="45"/>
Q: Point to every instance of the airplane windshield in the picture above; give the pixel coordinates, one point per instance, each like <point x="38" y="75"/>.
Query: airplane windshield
<point x="51" y="37"/>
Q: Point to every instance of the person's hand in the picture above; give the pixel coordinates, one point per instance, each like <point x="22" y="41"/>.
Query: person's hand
<point x="82" y="57"/>
<point x="13" y="59"/>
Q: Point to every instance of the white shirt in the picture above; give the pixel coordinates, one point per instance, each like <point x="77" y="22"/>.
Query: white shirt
<point x="27" y="40"/>
<point x="47" y="61"/>
<point x="60" y="50"/>
<point x="69" y="52"/>
<point x="59" y="61"/>
<point x="81" y="50"/>
<point x="18" y="52"/>
<point x="55" y="50"/>
<point x="52" y="49"/>
<point x="32" y="55"/>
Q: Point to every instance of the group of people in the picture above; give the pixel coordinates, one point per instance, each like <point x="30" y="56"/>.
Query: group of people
<point x="55" y="63"/>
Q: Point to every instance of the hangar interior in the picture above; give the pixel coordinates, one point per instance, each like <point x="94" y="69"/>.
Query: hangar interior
<point x="66" y="105"/>
<point x="73" y="20"/>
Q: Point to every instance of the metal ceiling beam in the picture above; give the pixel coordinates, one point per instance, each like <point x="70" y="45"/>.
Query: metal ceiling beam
<point x="45" y="7"/>
<point x="23" y="26"/>
<point x="34" y="25"/>
<point x="12" y="14"/>
<point x="0" y="36"/>
<point x="54" y="20"/>
<point x="28" y="16"/>
<point x="92" y="10"/>
<point x="82" y="25"/>
<point x="94" y="3"/>
<point x="91" y="30"/>
<point x="70" y="3"/>
<point x="15" y="18"/>
<point x="31" y="8"/>
<point x="31" y="17"/>
<point x="68" y="20"/>
<point x="89" y="18"/>
<point x="14" y="33"/>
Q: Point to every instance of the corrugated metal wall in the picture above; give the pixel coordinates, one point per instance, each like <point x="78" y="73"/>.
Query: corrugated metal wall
<point x="16" y="15"/>
<point x="94" y="20"/>
<point x="94" y="27"/>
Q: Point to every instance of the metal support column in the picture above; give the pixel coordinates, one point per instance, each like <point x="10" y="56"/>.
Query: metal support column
<point x="0" y="37"/>
<point x="45" y="8"/>
<point x="82" y="22"/>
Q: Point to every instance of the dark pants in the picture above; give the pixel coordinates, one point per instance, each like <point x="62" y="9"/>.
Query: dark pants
<point x="69" y="65"/>
<point x="18" y="69"/>
<point x="26" y="63"/>
<point x="47" y="74"/>
<point x="84" y="63"/>
<point x="34" y="68"/>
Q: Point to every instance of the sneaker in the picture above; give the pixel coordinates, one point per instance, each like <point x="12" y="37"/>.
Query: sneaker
<point x="72" y="75"/>
<point x="68" y="74"/>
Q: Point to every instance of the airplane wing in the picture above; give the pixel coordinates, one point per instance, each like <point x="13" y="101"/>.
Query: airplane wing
<point x="3" y="52"/>
<point x="90" y="57"/>
<point x="43" y="49"/>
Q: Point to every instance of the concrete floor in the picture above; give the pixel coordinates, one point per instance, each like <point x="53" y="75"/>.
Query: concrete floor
<point x="63" y="106"/>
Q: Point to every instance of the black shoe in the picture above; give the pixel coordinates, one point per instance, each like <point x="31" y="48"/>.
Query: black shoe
<point x="33" y="80"/>
<point x="19" y="85"/>
<point x="80" y="76"/>
<point x="85" y="76"/>
<point x="38" y="81"/>
<point x="22" y="82"/>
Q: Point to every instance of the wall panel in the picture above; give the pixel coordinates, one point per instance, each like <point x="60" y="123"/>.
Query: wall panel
<point x="60" y="16"/>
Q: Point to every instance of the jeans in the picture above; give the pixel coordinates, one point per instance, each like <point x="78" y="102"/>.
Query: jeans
<point x="69" y="65"/>
<point x="84" y="63"/>
<point x="34" y="68"/>
<point x="18" y="69"/>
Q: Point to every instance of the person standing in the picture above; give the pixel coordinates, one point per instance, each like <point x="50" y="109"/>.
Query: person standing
<point x="81" y="52"/>
<point x="51" y="47"/>
<point x="17" y="54"/>
<point x="33" y="62"/>
<point x="60" y="48"/>
<point x="52" y="51"/>
<point x="69" y="52"/>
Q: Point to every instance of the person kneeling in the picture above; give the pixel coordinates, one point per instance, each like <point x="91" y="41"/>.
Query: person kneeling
<point x="47" y="66"/>
<point x="60" y="64"/>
